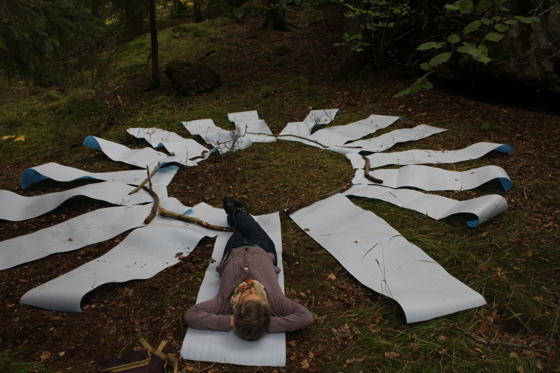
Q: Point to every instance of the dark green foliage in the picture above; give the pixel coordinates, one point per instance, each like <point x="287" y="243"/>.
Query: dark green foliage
<point x="374" y="26"/>
<point x="36" y="34"/>
<point x="178" y="9"/>
<point x="482" y="24"/>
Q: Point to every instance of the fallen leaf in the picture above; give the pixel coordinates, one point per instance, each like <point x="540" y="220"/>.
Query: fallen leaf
<point x="292" y="343"/>
<point x="305" y="364"/>
<point x="331" y="277"/>
<point x="391" y="355"/>
<point x="45" y="355"/>
<point x="483" y="328"/>
<point x="348" y="362"/>
<point x="342" y="332"/>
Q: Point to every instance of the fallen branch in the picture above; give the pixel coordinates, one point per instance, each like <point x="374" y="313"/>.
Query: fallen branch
<point x="189" y="219"/>
<point x="155" y="207"/>
<point x="366" y="172"/>
<point x="150" y="175"/>
<point x="306" y="139"/>
<point x="293" y="209"/>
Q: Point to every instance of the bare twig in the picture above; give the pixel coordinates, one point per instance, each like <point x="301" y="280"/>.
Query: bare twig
<point x="306" y="139"/>
<point x="189" y="219"/>
<point x="366" y="172"/>
<point x="150" y="175"/>
<point x="293" y="209"/>
<point x="155" y="206"/>
<point x="367" y="252"/>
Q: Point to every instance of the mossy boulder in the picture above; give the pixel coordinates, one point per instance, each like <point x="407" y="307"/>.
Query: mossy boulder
<point x="190" y="78"/>
<point x="249" y="10"/>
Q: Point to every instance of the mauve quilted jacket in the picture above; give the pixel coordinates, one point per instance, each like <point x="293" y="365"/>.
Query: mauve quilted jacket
<point x="214" y="314"/>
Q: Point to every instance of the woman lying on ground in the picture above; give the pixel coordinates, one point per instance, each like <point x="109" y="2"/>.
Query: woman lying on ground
<point x="250" y="299"/>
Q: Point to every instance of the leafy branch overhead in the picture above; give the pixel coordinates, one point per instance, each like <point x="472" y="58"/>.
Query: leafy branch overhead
<point x="482" y="25"/>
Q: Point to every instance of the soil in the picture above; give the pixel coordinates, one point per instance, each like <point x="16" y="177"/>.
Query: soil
<point x="115" y="314"/>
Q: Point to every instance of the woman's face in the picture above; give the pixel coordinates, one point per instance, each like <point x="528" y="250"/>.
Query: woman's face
<point x="250" y="294"/>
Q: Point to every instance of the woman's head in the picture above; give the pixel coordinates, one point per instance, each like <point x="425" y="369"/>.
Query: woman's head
<point x="251" y="317"/>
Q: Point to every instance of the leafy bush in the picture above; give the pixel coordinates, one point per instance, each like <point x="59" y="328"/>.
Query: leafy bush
<point x="486" y="23"/>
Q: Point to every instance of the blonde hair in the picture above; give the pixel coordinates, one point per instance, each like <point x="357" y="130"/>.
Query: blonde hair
<point x="251" y="319"/>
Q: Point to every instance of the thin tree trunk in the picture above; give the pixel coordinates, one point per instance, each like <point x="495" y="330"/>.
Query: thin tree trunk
<point x="276" y="16"/>
<point x="349" y="58"/>
<point x="134" y="18"/>
<point x="197" y="12"/>
<point x="155" y="54"/>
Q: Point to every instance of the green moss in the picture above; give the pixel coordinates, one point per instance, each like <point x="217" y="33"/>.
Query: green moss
<point x="301" y="85"/>
<point x="266" y="91"/>
<point x="13" y="362"/>
<point x="52" y="96"/>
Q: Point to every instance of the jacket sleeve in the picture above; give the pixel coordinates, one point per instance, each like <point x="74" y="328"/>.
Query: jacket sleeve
<point x="289" y="316"/>
<point x="208" y="315"/>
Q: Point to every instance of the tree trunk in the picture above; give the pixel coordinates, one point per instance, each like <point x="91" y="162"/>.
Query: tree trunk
<point x="197" y="11"/>
<point x="134" y="18"/>
<point x="349" y="58"/>
<point x="276" y="16"/>
<point x="155" y="54"/>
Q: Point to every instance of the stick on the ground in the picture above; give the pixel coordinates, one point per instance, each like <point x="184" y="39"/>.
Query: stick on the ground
<point x="150" y="175"/>
<point x="189" y="219"/>
<point x="306" y="139"/>
<point x="367" y="175"/>
<point x="293" y="209"/>
<point x="155" y="207"/>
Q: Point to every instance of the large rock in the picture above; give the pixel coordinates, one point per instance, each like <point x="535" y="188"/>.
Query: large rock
<point x="531" y="51"/>
<point x="528" y="55"/>
<point x="191" y="79"/>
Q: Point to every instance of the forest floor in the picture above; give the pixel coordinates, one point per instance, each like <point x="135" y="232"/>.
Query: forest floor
<point x="512" y="260"/>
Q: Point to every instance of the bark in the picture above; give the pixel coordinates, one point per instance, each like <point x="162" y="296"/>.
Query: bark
<point x="154" y="40"/>
<point x="197" y="12"/>
<point x="134" y="18"/>
<point x="276" y="17"/>
<point x="349" y="58"/>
